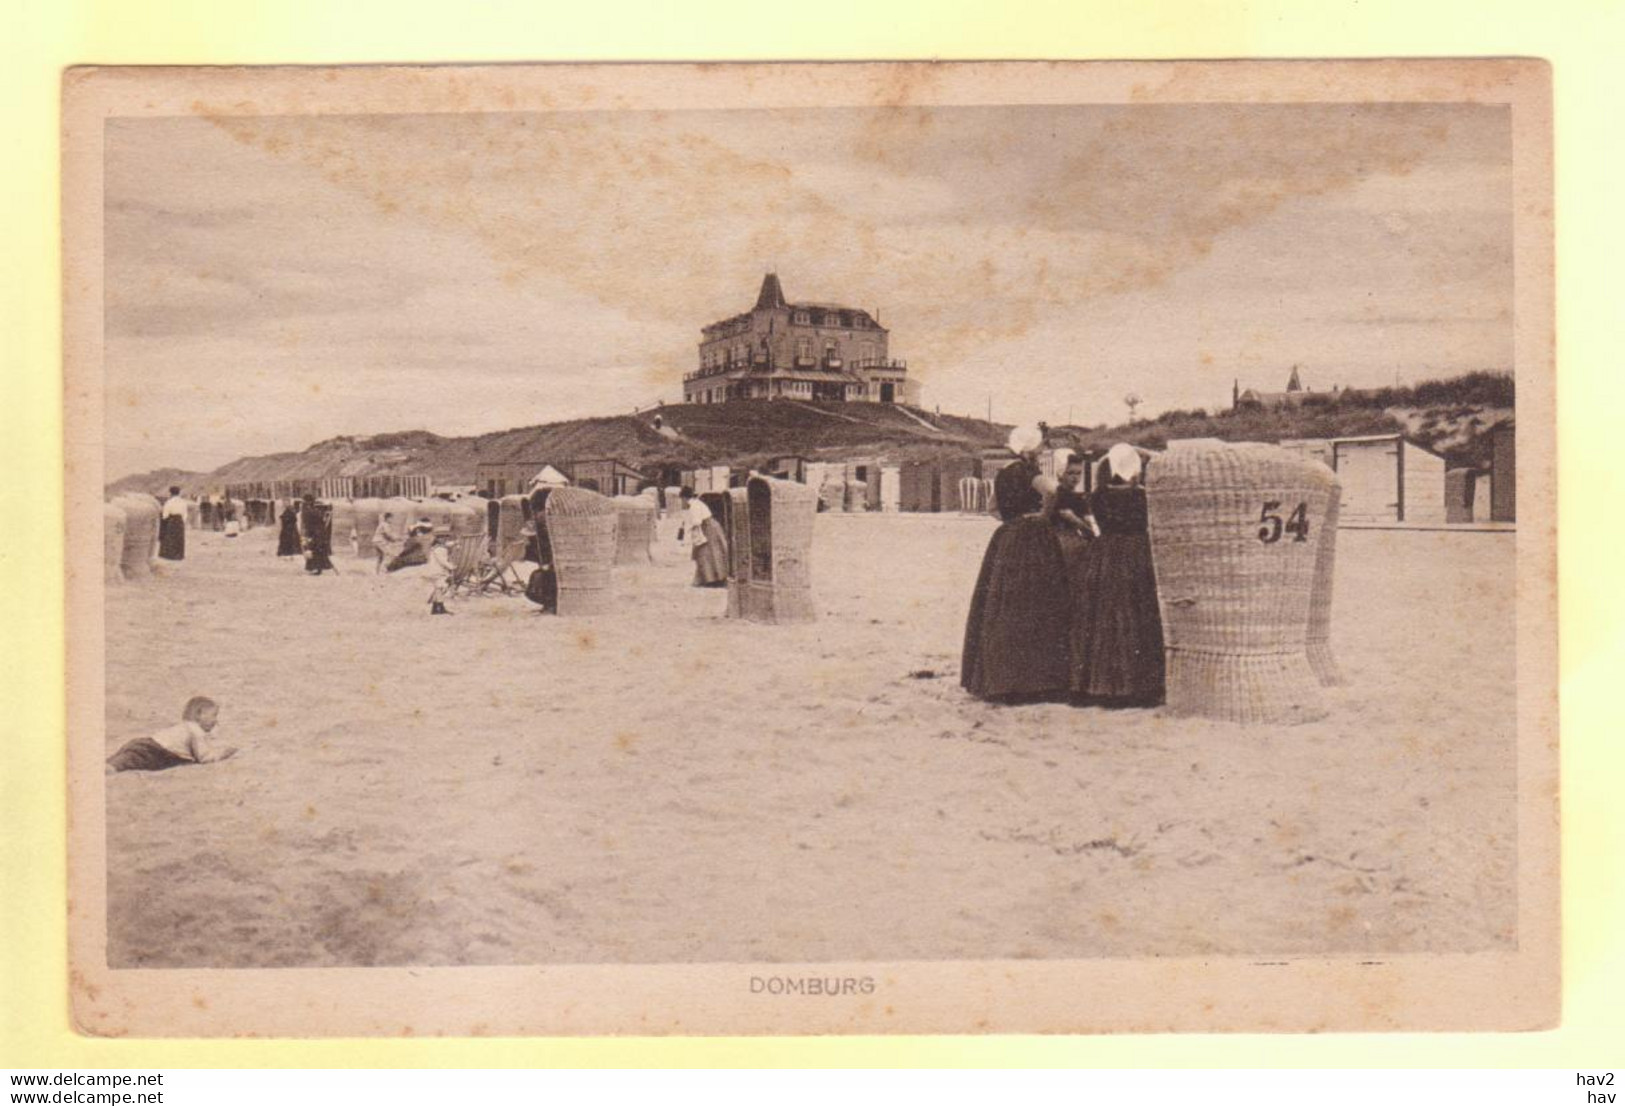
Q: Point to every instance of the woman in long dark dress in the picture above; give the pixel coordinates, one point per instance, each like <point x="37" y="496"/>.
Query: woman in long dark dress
<point x="1016" y="634"/>
<point x="316" y="519"/>
<point x="1116" y="627"/>
<point x="287" y="542"/>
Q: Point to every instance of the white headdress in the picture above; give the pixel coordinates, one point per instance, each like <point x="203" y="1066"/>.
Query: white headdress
<point x="1124" y="460"/>
<point x="1025" y="439"/>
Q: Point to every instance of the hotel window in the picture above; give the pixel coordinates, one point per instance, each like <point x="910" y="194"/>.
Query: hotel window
<point x="803" y="318"/>
<point x="803" y="348"/>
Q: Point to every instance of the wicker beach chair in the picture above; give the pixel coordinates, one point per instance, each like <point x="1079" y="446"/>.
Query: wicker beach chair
<point x="140" y="535"/>
<point x="112" y="543"/>
<point x="736" y="524"/>
<point x="1235" y="532"/>
<point x="1318" y="644"/>
<point x="367" y="514"/>
<point x="345" y="536"/>
<point x="778" y="559"/>
<point x="581" y="530"/>
<point x="634" y="530"/>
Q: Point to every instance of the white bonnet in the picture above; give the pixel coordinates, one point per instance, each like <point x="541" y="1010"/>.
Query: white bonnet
<point x="1025" y="439"/>
<point x="1124" y="460"/>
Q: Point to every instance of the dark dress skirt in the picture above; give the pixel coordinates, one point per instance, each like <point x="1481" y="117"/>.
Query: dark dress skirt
<point x="144" y="755"/>
<point x="318" y="526"/>
<point x="287" y="542"/>
<point x="1016" y="633"/>
<point x="172" y="538"/>
<point x="1116" y="626"/>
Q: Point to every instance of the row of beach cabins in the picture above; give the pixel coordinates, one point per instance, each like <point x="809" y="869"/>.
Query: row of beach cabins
<point x="1385" y="479"/>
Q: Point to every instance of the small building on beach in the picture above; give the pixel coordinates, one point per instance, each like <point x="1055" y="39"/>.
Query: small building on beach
<point x="1388" y="478"/>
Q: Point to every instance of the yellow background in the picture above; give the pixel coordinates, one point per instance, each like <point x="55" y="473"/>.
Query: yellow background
<point x="37" y="38"/>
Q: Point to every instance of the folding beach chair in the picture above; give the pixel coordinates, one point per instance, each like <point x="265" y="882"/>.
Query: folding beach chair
<point x="468" y="564"/>
<point x="500" y="572"/>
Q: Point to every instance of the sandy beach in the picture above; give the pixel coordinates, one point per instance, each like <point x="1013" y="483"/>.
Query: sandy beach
<point x="662" y="784"/>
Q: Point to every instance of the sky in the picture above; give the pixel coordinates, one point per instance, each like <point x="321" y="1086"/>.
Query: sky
<point x="275" y="281"/>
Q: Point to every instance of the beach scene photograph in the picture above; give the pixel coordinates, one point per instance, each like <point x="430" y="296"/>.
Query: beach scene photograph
<point x="809" y="535"/>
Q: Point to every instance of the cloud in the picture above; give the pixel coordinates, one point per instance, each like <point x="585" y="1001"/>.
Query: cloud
<point x="304" y="276"/>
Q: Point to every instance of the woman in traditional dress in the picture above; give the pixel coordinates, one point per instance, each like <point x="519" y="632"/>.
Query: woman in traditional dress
<point x="172" y="528"/>
<point x="707" y="543"/>
<point x="1116" y="627"/>
<point x="1016" y="634"/>
<point x="316" y="520"/>
<point x="287" y="542"/>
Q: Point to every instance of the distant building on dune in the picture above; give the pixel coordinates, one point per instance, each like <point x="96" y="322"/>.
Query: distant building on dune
<point x="1296" y="395"/>
<point x="809" y="351"/>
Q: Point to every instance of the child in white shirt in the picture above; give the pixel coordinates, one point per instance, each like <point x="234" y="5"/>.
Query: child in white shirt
<point x="187" y="742"/>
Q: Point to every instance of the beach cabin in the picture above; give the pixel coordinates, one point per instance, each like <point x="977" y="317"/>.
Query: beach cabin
<point x="1318" y="449"/>
<point x="1388" y="478"/>
<point x="1504" y="473"/>
<point x="1459" y="488"/>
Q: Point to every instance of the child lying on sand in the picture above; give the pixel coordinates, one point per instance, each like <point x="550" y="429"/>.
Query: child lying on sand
<point x="187" y="742"/>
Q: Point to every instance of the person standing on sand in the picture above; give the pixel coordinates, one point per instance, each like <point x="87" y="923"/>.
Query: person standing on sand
<point x="287" y="542"/>
<point x="1116" y="638"/>
<point x="707" y="543"/>
<point x="172" y="527"/>
<point x="1016" y="634"/>
<point x="316" y="520"/>
<point x="185" y="743"/>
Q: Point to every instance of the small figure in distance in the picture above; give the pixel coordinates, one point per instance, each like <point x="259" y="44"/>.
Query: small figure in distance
<point x="440" y="563"/>
<point x="186" y="742"/>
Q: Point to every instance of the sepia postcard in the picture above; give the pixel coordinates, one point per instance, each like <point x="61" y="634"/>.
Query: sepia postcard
<point x="811" y="548"/>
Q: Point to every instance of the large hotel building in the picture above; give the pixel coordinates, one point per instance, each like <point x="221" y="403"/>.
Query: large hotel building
<point x="810" y="351"/>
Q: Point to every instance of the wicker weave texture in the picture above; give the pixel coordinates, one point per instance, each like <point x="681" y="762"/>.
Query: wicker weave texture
<point x="634" y="530"/>
<point x="140" y="535"/>
<point x="344" y="525"/>
<point x="113" y="543"/>
<point x="1318" y="645"/>
<point x="510" y="520"/>
<point x="779" y="588"/>
<point x="581" y="528"/>
<point x="736" y="525"/>
<point x="1235" y="535"/>
<point x="468" y="519"/>
<point x="367" y="514"/>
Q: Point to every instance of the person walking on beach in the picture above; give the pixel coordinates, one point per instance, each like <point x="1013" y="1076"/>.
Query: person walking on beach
<point x="172" y="527"/>
<point x="1116" y="633"/>
<point x="707" y="543"/>
<point x="1016" y="634"/>
<point x="187" y="742"/>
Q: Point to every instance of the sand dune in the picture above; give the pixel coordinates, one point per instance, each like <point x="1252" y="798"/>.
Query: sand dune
<point x="663" y="784"/>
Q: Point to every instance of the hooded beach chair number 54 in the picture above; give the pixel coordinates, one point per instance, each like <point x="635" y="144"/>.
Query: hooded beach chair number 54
<point x="1296" y="524"/>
